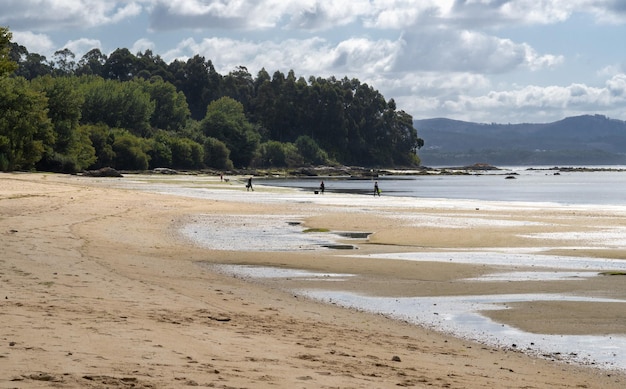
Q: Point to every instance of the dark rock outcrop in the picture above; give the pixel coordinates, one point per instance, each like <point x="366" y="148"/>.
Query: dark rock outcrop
<point x="104" y="172"/>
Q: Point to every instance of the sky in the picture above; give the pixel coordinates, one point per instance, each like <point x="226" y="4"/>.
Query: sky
<point x="487" y="61"/>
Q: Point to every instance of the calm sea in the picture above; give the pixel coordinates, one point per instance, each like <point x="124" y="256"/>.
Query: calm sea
<point x="528" y="185"/>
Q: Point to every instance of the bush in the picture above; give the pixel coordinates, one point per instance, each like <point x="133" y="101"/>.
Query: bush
<point x="216" y="154"/>
<point x="311" y="151"/>
<point x="130" y="151"/>
<point x="186" y="153"/>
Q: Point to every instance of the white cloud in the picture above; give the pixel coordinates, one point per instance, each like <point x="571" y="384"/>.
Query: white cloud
<point x="610" y="70"/>
<point x="480" y="14"/>
<point x="401" y="14"/>
<point x="464" y="52"/>
<point x="81" y="46"/>
<point x="518" y="104"/>
<point x="362" y="56"/>
<point x="322" y="15"/>
<point x="127" y="12"/>
<point x="313" y="56"/>
<point x="210" y="15"/>
<point x="307" y="15"/>
<point x="609" y="11"/>
<point x="226" y="54"/>
<point x="468" y="51"/>
<point x="42" y="44"/>
<point x="487" y="14"/>
<point x="616" y="86"/>
<point x="310" y="15"/>
<point x="35" y="43"/>
<point x="441" y="84"/>
<point x="539" y="12"/>
<point x="50" y="15"/>
<point x="142" y="45"/>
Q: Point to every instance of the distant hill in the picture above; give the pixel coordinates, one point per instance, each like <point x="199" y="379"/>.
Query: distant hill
<point x="579" y="140"/>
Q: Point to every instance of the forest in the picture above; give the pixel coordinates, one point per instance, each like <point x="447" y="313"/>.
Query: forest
<point x="137" y="112"/>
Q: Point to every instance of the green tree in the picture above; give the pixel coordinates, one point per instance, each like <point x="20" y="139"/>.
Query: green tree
<point x="120" y="65"/>
<point x="277" y="154"/>
<point x="83" y="154"/>
<point x="149" y="65"/>
<point x="102" y="139"/>
<point x="63" y="62"/>
<point x="32" y="65"/>
<point x="171" y="111"/>
<point x="117" y="104"/>
<point x="72" y="151"/>
<point x="199" y="81"/>
<point x="25" y="130"/>
<point x="293" y="158"/>
<point x="91" y="63"/>
<point x="263" y="106"/>
<point x="239" y="85"/>
<point x="170" y="150"/>
<point x="131" y="151"/>
<point x="225" y="120"/>
<point x="310" y="151"/>
<point x="365" y="114"/>
<point x="326" y="117"/>
<point x="271" y="153"/>
<point x="7" y="66"/>
<point x="160" y="151"/>
<point x="404" y="141"/>
<point x="193" y="131"/>
<point x="216" y="154"/>
<point x="186" y="154"/>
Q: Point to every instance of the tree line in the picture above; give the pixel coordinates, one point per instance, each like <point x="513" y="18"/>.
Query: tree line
<point x="137" y="112"/>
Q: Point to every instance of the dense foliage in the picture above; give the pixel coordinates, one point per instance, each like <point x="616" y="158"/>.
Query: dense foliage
<point x="6" y="65"/>
<point x="138" y="112"/>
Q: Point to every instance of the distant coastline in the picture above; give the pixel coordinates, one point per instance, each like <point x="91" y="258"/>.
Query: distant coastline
<point x="586" y="140"/>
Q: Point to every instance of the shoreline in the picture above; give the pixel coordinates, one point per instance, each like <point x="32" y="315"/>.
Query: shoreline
<point x="85" y="267"/>
<point x="356" y="172"/>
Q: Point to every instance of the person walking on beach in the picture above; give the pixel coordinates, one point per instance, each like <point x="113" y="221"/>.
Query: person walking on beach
<point x="322" y="187"/>
<point x="249" y="185"/>
<point x="376" y="189"/>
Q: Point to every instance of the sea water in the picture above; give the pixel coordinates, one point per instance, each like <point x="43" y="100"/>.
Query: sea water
<point x="509" y="184"/>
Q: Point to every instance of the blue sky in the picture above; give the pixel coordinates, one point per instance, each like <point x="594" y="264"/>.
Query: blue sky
<point x="502" y="61"/>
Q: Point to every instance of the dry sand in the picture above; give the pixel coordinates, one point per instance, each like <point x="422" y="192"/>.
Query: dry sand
<point x="98" y="290"/>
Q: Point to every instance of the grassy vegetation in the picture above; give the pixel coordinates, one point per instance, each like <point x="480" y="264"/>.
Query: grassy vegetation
<point x="308" y="230"/>
<point x="613" y="273"/>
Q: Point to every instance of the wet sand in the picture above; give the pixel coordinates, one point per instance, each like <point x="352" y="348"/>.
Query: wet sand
<point x="100" y="289"/>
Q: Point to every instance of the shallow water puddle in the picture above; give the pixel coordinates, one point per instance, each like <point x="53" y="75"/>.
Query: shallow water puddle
<point x="460" y="315"/>
<point x="533" y="276"/>
<point x="253" y="233"/>
<point x="261" y="233"/>
<point x="250" y="271"/>
<point x="508" y="258"/>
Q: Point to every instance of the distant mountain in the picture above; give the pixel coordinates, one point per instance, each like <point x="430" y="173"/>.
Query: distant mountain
<point x="579" y="140"/>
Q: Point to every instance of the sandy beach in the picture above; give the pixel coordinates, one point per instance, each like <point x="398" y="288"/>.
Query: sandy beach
<point x="100" y="289"/>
